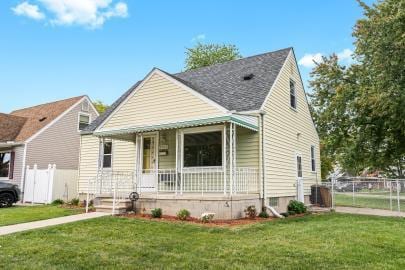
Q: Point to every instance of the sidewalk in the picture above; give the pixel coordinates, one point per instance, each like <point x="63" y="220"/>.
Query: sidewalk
<point x="48" y="222"/>
<point x="369" y="211"/>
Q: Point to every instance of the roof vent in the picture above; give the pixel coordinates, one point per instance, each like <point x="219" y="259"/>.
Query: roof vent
<point x="248" y="77"/>
<point x="42" y="119"/>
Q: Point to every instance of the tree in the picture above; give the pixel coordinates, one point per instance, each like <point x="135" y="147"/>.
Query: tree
<point x="203" y="55"/>
<point x="100" y="106"/>
<point x="360" y="109"/>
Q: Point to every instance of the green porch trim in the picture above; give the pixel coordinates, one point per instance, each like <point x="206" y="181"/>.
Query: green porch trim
<point x="181" y="124"/>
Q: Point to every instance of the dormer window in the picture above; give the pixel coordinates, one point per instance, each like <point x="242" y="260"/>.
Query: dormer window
<point x="84" y="120"/>
<point x="293" y="97"/>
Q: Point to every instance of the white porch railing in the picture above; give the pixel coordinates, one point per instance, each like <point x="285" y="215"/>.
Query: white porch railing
<point x="119" y="185"/>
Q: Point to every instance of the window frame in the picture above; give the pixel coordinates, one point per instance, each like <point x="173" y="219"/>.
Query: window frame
<point x="101" y="154"/>
<point x="9" y="166"/>
<point x="292" y="82"/>
<point x="197" y="130"/>
<point x="313" y="158"/>
<point x="78" y="119"/>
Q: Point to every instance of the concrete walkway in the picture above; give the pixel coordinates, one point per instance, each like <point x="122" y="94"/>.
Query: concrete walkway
<point x="369" y="211"/>
<point x="48" y="222"/>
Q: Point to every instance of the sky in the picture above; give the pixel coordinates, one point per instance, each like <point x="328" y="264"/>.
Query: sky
<point x="56" y="49"/>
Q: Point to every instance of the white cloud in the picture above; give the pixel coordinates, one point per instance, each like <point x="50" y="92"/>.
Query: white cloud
<point x="28" y="10"/>
<point x="345" y="57"/>
<point x="308" y="60"/>
<point x="88" y="13"/>
<point x="199" y="37"/>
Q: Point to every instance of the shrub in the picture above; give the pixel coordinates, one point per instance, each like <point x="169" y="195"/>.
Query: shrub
<point x="263" y="214"/>
<point x="207" y="217"/>
<point x="285" y="214"/>
<point x="58" y="202"/>
<point x="183" y="214"/>
<point x="297" y="207"/>
<point x="250" y="211"/>
<point x="156" y="213"/>
<point x="75" y="201"/>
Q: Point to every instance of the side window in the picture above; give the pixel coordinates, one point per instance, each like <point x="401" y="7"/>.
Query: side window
<point x="84" y="120"/>
<point x="313" y="165"/>
<point x="293" y="97"/>
<point x="106" y="154"/>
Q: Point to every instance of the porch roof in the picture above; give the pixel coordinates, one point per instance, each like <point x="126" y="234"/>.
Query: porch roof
<point x="246" y="121"/>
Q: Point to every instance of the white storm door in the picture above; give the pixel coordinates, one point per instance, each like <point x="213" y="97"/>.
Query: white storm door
<point x="300" y="179"/>
<point x="149" y="164"/>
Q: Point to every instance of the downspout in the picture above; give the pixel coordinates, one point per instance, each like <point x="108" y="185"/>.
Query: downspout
<point x="262" y="113"/>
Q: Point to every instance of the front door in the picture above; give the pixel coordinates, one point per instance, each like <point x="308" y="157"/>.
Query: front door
<point x="300" y="179"/>
<point x="149" y="164"/>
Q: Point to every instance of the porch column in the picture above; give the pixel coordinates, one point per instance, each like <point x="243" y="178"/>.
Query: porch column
<point x="138" y="162"/>
<point x="232" y="158"/>
<point x="224" y="157"/>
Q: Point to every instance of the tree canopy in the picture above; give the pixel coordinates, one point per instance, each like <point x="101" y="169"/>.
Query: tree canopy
<point x="203" y="55"/>
<point x="359" y="109"/>
<point x="100" y="106"/>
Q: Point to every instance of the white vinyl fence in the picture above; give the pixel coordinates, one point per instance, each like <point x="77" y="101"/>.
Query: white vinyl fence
<point x="47" y="185"/>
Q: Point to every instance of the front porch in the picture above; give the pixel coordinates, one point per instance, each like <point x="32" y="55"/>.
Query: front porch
<point x="214" y="161"/>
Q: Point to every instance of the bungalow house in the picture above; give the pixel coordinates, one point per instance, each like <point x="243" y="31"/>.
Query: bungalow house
<point x="214" y="139"/>
<point x="42" y="135"/>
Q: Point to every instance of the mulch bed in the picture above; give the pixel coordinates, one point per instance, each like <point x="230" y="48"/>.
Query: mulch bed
<point x="213" y="223"/>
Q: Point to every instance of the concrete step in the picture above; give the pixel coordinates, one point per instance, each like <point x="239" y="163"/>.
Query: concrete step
<point x="109" y="208"/>
<point x="110" y="202"/>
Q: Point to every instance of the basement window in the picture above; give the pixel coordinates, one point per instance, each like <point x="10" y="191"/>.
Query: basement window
<point x="273" y="201"/>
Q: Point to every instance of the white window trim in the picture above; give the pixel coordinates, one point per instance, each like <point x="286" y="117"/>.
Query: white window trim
<point x="101" y="154"/>
<point x="203" y="129"/>
<point x="9" y="164"/>
<point x="78" y="119"/>
<point x="295" y="94"/>
<point x="310" y="155"/>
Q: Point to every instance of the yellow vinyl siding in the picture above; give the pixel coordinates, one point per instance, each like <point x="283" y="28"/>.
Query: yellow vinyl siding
<point x="160" y="101"/>
<point x="89" y="154"/>
<point x="281" y="125"/>
<point x="168" y="137"/>
<point x="247" y="148"/>
<point x="124" y="155"/>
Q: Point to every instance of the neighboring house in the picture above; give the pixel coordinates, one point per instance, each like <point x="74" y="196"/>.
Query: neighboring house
<point x="42" y="135"/>
<point x="216" y="139"/>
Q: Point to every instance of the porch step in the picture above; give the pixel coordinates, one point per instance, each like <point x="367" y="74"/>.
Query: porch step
<point x="109" y="208"/>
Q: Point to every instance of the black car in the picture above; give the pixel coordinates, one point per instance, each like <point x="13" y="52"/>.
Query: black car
<point x="9" y="194"/>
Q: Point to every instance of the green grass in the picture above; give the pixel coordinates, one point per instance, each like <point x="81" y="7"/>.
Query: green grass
<point x="330" y="241"/>
<point x="368" y="202"/>
<point x="21" y="214"/>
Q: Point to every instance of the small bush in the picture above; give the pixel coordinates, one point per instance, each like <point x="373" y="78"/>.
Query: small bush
<point x="207" y="217"/>
<point x="297" y="207"/>
<point x="291" y="213"/>
<point x="263" y="214"/>
<point x="156" y="213"/>
<point x="285" y="214"/>
<point x="58" y="202"/>
<point x="251" y="211"/>
<point x="183" y="214"/>
<point x="75" y="201"/>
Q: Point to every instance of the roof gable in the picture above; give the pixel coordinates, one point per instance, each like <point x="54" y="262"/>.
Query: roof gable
<point x="38" y="117"/>
<point x="160" y="98"/>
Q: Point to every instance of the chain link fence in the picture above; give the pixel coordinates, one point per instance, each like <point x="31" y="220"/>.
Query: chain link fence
<point x="366" y="192"/>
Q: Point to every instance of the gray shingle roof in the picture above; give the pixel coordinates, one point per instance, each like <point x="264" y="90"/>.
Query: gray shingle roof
<point x="225" y="84"/>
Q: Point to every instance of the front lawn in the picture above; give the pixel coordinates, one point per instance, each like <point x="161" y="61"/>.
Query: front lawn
<point x="329" y="241"/>
<point x="21" y="214"/>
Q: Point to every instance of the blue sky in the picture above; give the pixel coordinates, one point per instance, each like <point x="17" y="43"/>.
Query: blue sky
<point x="55" y="49"/>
